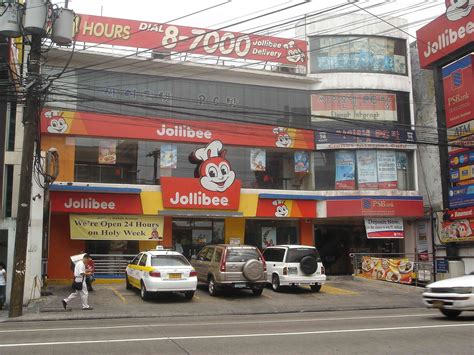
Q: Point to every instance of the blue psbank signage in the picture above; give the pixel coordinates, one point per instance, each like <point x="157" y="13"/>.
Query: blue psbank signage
<point x="461" y="196"/>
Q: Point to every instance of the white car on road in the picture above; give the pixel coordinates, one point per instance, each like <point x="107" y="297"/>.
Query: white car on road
<point x="451" y="296"/>
<point x="161" y="270"/>
<point x="294" y="265"/>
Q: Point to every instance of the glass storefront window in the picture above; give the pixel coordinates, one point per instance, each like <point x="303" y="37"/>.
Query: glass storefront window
<point x="363" y="169"/>
<point x="143" y="162"/>
<point x="358" y="54"/>
<point x="263" y="233"/>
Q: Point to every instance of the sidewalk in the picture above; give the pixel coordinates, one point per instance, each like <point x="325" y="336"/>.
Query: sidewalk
<point x="114" y="301"/>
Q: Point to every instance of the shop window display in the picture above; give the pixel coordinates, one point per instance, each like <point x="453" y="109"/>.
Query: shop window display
<point x="144" y="162"/>
<point x="363" y="169"/>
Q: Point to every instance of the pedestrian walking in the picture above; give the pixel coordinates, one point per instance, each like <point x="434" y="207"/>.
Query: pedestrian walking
<point x="3" y="285"/>
<point x="79" y="284"/>
<point x="90" y="268"/>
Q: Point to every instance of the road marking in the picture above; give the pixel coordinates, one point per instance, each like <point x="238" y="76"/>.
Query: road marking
<point x="331" y="290"/>
<point x="118" y="294"/>
<point x="213" y="323"/>
<point x="224" y="336"/>
<point x="196" y="297"/>
<point x="266" y="296"/>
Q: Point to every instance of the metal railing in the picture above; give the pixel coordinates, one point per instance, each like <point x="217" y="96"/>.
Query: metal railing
<point x="111" y="265"/>
<point x="422" y="270"/>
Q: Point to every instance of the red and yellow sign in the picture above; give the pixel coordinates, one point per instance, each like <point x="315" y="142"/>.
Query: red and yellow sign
<point x="188" y="193"/>
<point x="166" y="38"/>
<point x="459" y="230"/>
<point x="100" y="203"/>
<point x="286" y="208"/>
<point x="162" y="129"/>
<point x="392" y="270"/>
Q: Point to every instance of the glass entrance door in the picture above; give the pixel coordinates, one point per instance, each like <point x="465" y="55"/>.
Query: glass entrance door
<point x="190" y="235"/>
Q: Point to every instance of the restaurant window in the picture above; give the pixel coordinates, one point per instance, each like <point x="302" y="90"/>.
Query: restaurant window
<point x="265" y="233"/>
<point x="145" y="162"/>
<point x="363" y="169"/>
<point x="358" y="54"/>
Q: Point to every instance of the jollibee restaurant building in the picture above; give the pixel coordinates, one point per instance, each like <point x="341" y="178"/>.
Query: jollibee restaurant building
<point x="205" y="183"/>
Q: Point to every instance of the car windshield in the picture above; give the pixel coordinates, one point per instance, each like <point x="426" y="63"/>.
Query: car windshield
<point x="295" y="255"/>
<point x="242" y="255"/>
<point x="168" y="260"/>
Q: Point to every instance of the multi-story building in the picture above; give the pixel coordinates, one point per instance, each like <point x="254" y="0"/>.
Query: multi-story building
<point x="312" y="147"/>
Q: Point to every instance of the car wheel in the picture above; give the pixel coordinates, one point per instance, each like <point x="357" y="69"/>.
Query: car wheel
<point x="128" y="286"/>
<point x="144" y="294"/>
<point x="315" y="288"/>
<point x="275" y="283"/>
<point x="450" y="313"/>
<point x="189" y="295"/>
<point x="211" y="287"/>
<point x="257" y="290"/>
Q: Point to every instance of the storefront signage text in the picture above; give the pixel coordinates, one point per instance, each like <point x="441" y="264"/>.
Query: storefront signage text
<point x="374" y="207"/>
<point x="166" y="38"/>
<point x="164" y="129"/>
<point x="377" y="228"/>
<point x="85" y="202"/>
<point x="446" y="34"/>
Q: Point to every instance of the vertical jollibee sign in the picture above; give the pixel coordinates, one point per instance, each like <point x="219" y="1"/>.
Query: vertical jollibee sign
<point x="384" y="228"/>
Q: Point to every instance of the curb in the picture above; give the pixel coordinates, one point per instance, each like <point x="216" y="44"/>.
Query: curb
<point x="90" y="316"/>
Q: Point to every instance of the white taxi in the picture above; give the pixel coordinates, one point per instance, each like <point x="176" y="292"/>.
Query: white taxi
<point x="161" y="270"/>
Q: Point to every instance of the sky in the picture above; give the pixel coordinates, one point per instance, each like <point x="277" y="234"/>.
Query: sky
<point x="230" y="12"/>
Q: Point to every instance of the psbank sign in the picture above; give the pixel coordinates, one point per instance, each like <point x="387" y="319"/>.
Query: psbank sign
<point x="214" y="187"/>
<point x="447" y="33"/>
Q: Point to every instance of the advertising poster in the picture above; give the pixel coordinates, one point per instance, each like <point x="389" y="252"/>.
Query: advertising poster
<point x="391" y="270"/>
<point x="108" y="152"/>
<point x="268" y="236"/>
<point x="345" y="170"/>
<point x="371" y="106"/>
<point x="168" y="156"/>
<point x="116" y="227"/>
<point x="382" y="228"/>
<point x="462" y="130"/>
<point x="387" y="169"/>
<point x="458" y="91"/>
<point x="367" y="169"/>
<point x="461" y="196"/>
<point x="301" y="162"/>
<point x="422" y="240"/>
<point x="173" y="38"/>
<point x="258" y="159"/>
<point x="460" y="230"/>
<point x="461" y="159"/>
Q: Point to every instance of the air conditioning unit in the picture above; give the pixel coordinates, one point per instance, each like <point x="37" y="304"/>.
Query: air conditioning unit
<point x="285" y="69"/>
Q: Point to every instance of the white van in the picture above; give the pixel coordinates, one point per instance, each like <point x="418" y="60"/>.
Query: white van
<point x="294" y="265"/>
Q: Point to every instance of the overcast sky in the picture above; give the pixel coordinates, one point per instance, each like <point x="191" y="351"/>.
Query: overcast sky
<point x="237" y="10"/>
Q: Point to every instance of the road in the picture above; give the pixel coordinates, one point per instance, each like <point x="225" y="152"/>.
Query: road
<point x="406" y="331"/>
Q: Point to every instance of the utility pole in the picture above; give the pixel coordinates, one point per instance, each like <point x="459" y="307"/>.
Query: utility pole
<point x="30" y="122"/>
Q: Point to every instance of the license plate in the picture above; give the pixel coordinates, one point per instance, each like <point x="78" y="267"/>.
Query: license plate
<point x="240" y="285"/>
<point x="292" y="271"/>
<point x="174" y="276"/>
<point x="438" y="304"/>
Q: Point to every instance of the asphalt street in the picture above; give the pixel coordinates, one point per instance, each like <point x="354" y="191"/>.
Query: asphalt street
<point x="370" y="331"/>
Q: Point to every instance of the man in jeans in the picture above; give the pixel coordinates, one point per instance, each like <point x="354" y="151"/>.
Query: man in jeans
<point x="80" y="274"/>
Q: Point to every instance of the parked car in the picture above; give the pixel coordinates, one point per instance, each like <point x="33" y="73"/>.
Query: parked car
<point x="233" y="266"/>
<point x="294" y="265"/>
<point x="161" y="270"/>
<point x="451" y="296"/>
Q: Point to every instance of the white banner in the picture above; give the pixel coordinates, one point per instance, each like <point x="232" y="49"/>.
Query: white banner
<point x="381" y="228"/>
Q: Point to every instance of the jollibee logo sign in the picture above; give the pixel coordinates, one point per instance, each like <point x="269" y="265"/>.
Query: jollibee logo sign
<point x="214" y="187"/>
<point x="457" y="9"/>
<point x="281" y="209"/>
<point x="56" y="122"/>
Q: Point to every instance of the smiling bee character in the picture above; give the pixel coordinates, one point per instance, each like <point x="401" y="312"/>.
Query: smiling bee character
<point x="281" y="209"/>
<point x="215" y="172"/>
<point x="57" y="123"/>
<point x="283" y="137"/>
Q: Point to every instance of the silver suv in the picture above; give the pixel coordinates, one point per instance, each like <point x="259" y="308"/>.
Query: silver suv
<point x="225" y="265"/>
